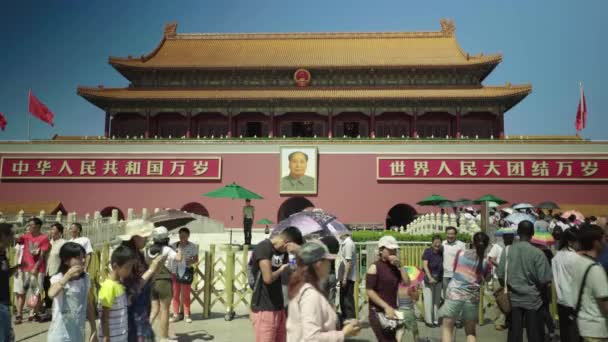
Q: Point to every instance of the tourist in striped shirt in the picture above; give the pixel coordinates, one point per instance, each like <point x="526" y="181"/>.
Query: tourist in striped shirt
<point x="462" y="296"/>
<point x="113" y="325"/>
<point x="113" y="310"/>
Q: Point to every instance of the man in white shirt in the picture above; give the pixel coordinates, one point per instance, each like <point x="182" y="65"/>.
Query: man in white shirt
<point x="347" y="275"/>
<point x="450" y="248"/>
<point x="592" y="318"/>
<point x="75" y="234"/>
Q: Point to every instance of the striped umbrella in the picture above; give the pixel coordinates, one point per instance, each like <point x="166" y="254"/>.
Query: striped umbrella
<point x="543" y="238"/>
<point x="415" y="274"/>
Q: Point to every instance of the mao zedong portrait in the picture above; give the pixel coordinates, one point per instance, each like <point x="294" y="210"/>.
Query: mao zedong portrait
<point x="297" y="180"/>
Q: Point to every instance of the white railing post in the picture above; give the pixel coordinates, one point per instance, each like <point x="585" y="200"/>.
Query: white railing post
<point x="59" y="216"/>
<point x="42" y="214"/>
<point x="20" y="216"/>
<point x="144" y="213"/>
<point x="87" y="218"/>
<point x="114" y="218"/>
<point x="129" y="214"/>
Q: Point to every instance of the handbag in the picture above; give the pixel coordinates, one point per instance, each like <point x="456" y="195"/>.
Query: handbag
<point x="387" y="324"/>
<point x="502" y="295"/>
<point x="33" y="292"/>
<point x="187" y="277"/>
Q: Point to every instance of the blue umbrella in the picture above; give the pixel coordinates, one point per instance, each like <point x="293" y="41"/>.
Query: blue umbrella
<point x="503" y="231"/>
<point x="316" y="223"/>
<point x="515" y="218"/>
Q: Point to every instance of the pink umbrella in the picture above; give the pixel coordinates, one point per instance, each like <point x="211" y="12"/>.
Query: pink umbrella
<point x="578" y="214"/>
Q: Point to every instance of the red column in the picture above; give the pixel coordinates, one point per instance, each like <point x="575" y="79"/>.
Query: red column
<point x="189" y="118"/>
<point x="107" y="126"/>
<point x="501" y="125"/>
<point x="330" y="130"/>
<point x="271" y="131"/>
<point x="147" y="134"/>
<point x="372" y="124"/>
<point x="458" y="133"/>
<point x="230" y="125"/>
<point x="414" y="129"/>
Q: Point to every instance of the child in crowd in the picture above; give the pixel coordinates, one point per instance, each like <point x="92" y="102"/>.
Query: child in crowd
<point x="69" y="291"/>
<point x="113" y="325"/>
<point x="407" y="297"/>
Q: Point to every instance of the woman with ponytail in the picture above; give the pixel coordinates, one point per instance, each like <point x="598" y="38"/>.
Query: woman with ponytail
<point x="471" y="269"/>
<point x="311" y="317"/>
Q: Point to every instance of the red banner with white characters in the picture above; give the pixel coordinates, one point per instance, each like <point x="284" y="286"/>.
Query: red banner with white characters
<point x="512" y="169"/>
<point x="44" y="167"/>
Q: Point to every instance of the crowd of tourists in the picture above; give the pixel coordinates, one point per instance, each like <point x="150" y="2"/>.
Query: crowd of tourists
<point x="50" y="277"/>
<point x="304" y="290"/>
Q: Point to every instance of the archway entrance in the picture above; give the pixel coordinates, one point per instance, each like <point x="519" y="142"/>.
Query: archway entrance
<point x="293" y="205"/>
<point x="195" y="208"/>
<point x="400" y="215"/>
<point x="107" y="212"/>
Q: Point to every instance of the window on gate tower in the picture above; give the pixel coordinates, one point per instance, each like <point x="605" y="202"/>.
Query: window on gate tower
<point x="303" y="129"/>
<point x="351" y="129"/>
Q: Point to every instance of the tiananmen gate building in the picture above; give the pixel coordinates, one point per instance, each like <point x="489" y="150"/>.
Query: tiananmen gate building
<point x="359" y="124"/>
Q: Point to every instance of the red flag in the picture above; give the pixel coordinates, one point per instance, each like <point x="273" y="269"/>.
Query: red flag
<point x="581" y="112"/>
<point x="2" y="122"/>
<point x="39" y="110"/>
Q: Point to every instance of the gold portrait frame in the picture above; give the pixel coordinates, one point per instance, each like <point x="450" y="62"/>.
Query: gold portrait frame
<point x="311" y="170"/>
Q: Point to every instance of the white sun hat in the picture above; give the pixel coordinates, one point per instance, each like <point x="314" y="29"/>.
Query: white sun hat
<point x="388" y="241"/>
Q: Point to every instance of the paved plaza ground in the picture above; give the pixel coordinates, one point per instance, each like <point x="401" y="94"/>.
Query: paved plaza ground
<point x="239" y="330"/>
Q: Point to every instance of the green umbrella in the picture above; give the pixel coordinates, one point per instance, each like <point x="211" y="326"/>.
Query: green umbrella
<point x="264" y="221"/>
<point x="463" y="202"/>
<point x="448" y="204"/>
<point x="490" y="198"/>
<point x="233" y="191"/>
<point x="433" y="200"/>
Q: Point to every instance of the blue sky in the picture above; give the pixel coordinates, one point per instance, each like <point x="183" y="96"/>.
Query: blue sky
<point x="54" y="46"/>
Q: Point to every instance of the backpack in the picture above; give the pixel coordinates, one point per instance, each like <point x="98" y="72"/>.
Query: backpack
<point x="253" y="276"/>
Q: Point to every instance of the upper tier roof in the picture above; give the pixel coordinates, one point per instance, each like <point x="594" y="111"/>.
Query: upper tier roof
<point x="513" y="92"/>
<point x="307" y="50"/>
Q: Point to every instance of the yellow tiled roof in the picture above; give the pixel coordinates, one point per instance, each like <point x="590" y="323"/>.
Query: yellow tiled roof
<point x="304" y="93"/>
<point x="307" y="50"/>
<point x="51" y="207"/>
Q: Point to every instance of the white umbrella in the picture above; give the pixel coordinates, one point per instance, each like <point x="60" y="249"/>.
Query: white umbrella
<point x="523" y="206"/>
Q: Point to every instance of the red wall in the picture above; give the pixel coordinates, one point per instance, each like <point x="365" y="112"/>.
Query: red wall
<point x="347" y="188"/>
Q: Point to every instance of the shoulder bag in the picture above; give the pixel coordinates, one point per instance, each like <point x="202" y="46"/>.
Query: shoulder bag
<point x="502" y="295"/>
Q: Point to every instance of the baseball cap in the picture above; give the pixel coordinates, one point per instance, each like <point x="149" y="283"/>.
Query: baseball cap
<point x="160" y="233"/>
<point x="388" y="241"/>
<point x="314" y="251"/>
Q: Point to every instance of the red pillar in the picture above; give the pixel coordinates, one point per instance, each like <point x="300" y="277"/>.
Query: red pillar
<point x="501" y="125"/>
<point x="330" y="130"/>
<point x="189" y="118"/>
<point x="372" y="125"/>
<point x="230" y="124"/>
<point x="147" y="134"/>
<point x="271" y="132"/>
<point x="458" y="133"/>
<point x="414" y="129"/>
<point x="107" y="126"/>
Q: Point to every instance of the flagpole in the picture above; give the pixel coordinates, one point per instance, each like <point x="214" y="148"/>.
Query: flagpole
<point x="580" y="101"/>
<point x="29" y="136"/>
